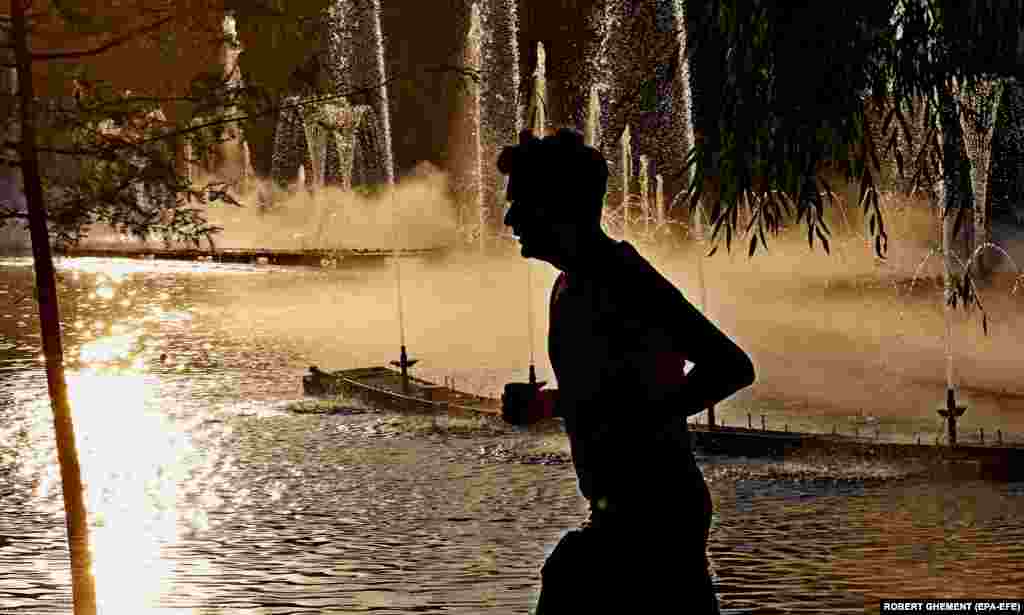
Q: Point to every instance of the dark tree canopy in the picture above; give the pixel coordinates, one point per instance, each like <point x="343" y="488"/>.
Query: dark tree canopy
<point x="786" y="88"/>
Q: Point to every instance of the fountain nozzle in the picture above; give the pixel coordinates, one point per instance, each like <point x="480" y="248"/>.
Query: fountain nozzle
<point x="404" y="363"/>
<point x="951" y="413"/>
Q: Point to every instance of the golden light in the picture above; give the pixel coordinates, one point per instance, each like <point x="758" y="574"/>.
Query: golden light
<point x="109" y="349"/>
<point x="132" y="459"/>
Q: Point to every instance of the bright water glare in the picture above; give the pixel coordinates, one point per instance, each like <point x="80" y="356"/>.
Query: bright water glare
<point x="206" y="496"/>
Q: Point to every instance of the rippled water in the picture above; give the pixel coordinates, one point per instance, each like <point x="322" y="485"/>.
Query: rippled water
<point x="206" y="497"/>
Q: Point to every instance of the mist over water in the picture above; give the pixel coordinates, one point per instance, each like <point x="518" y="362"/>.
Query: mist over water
<point x="216" y="475"/>
<point x="836" y="339"/>
<point x="418" y="214"/>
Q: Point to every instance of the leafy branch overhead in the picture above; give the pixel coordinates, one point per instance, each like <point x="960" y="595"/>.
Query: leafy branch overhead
<point x="797" y="86"/>
<point x="105" y="148"/>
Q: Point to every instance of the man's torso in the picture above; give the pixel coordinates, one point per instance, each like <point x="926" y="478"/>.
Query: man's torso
<point x="622" y="449"/>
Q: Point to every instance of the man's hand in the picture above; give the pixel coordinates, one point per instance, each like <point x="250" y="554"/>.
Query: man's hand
<point x="523" y="403"/>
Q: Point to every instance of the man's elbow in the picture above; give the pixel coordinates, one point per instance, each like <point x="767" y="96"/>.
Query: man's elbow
<point x="749" y="376"/>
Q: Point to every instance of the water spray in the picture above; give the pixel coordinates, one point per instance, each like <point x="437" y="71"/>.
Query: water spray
<point x="699" y="236"/>
<point x="529" y="319"/>
<point x="404" y="362"/>
<point x="689" y="137"/>
<point x="475" y="60"/>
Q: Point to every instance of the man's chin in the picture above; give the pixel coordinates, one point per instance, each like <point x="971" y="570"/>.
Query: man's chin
<point x="529" y="252"/>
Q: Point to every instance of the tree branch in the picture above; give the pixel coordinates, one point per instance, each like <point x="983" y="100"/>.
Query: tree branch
<point x="105" y="152"/>
<point x="116" y="42"/>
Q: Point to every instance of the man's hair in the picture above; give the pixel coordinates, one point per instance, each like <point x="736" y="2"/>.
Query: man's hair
<point x="558" y="169"/>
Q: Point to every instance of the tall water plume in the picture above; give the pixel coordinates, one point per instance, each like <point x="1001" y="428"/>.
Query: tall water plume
<point x="474" y="58"/>
<point x="592" y="127"/>
<point x="536" y="113"/>
<point x="685" y="102"/>
<point x="339" y="29"/>
<point x="346" y="140"/>
<point x="500" y="109"/>
<point x="979" y="107"/>
<point x="645" y="184"/>
<point x="601" y="80"/>
<point x="626" y="170"/>
<point x="659" y="198"/>
<point x="291" y="154"/>
<point x="632" y="42"/>
<point x="236" y="150"/>
<point x="382" y="106"/>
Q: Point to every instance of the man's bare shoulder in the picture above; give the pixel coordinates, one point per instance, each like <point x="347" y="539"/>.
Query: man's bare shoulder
<point x="640" y="279"/>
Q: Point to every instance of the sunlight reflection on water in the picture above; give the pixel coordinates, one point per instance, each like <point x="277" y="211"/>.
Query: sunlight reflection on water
<point x="202" y="492"/>
<point x="135" y="462"/>
<point x="133" y="506"/>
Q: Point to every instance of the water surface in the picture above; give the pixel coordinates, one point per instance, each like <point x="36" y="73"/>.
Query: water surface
<point x="205" y="496"/>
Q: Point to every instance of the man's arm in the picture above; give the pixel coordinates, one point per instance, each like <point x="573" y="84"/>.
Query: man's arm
<point x="721" y="367"/>
<point x="656" y="346"/>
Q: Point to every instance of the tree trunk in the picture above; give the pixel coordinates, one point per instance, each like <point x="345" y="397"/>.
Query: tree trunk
<point x="82" y="583"/>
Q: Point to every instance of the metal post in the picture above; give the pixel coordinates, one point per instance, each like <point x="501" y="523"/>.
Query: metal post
<point x="404" y="363"/>
<point x="763" y="427"/>
<point x="749" y="422"/>
<point x="951" y="413"/>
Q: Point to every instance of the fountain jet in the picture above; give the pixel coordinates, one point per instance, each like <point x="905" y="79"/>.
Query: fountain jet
<point x="979" y="107"/>
<point x="338" y="142"/>
<point x="500" y="110"/>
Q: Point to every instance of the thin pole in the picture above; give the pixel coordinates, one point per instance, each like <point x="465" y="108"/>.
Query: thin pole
<point x="699" y="213"/>
<point x="529" y="318"/>
<point x="398" y="274"/>
<point x="703" y="286"/>
<point x="403" y="358"/>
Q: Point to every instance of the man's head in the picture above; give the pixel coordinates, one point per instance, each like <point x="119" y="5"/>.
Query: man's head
<point x="556" y="189"/>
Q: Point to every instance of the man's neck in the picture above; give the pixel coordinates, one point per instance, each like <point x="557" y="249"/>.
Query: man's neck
<point x="590" y="252"/>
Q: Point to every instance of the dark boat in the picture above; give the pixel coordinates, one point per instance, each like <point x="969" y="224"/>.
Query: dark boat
<point x="382" y="388"/>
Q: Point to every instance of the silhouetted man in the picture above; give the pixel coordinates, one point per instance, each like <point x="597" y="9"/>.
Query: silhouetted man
<point x="619" y="334"/>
